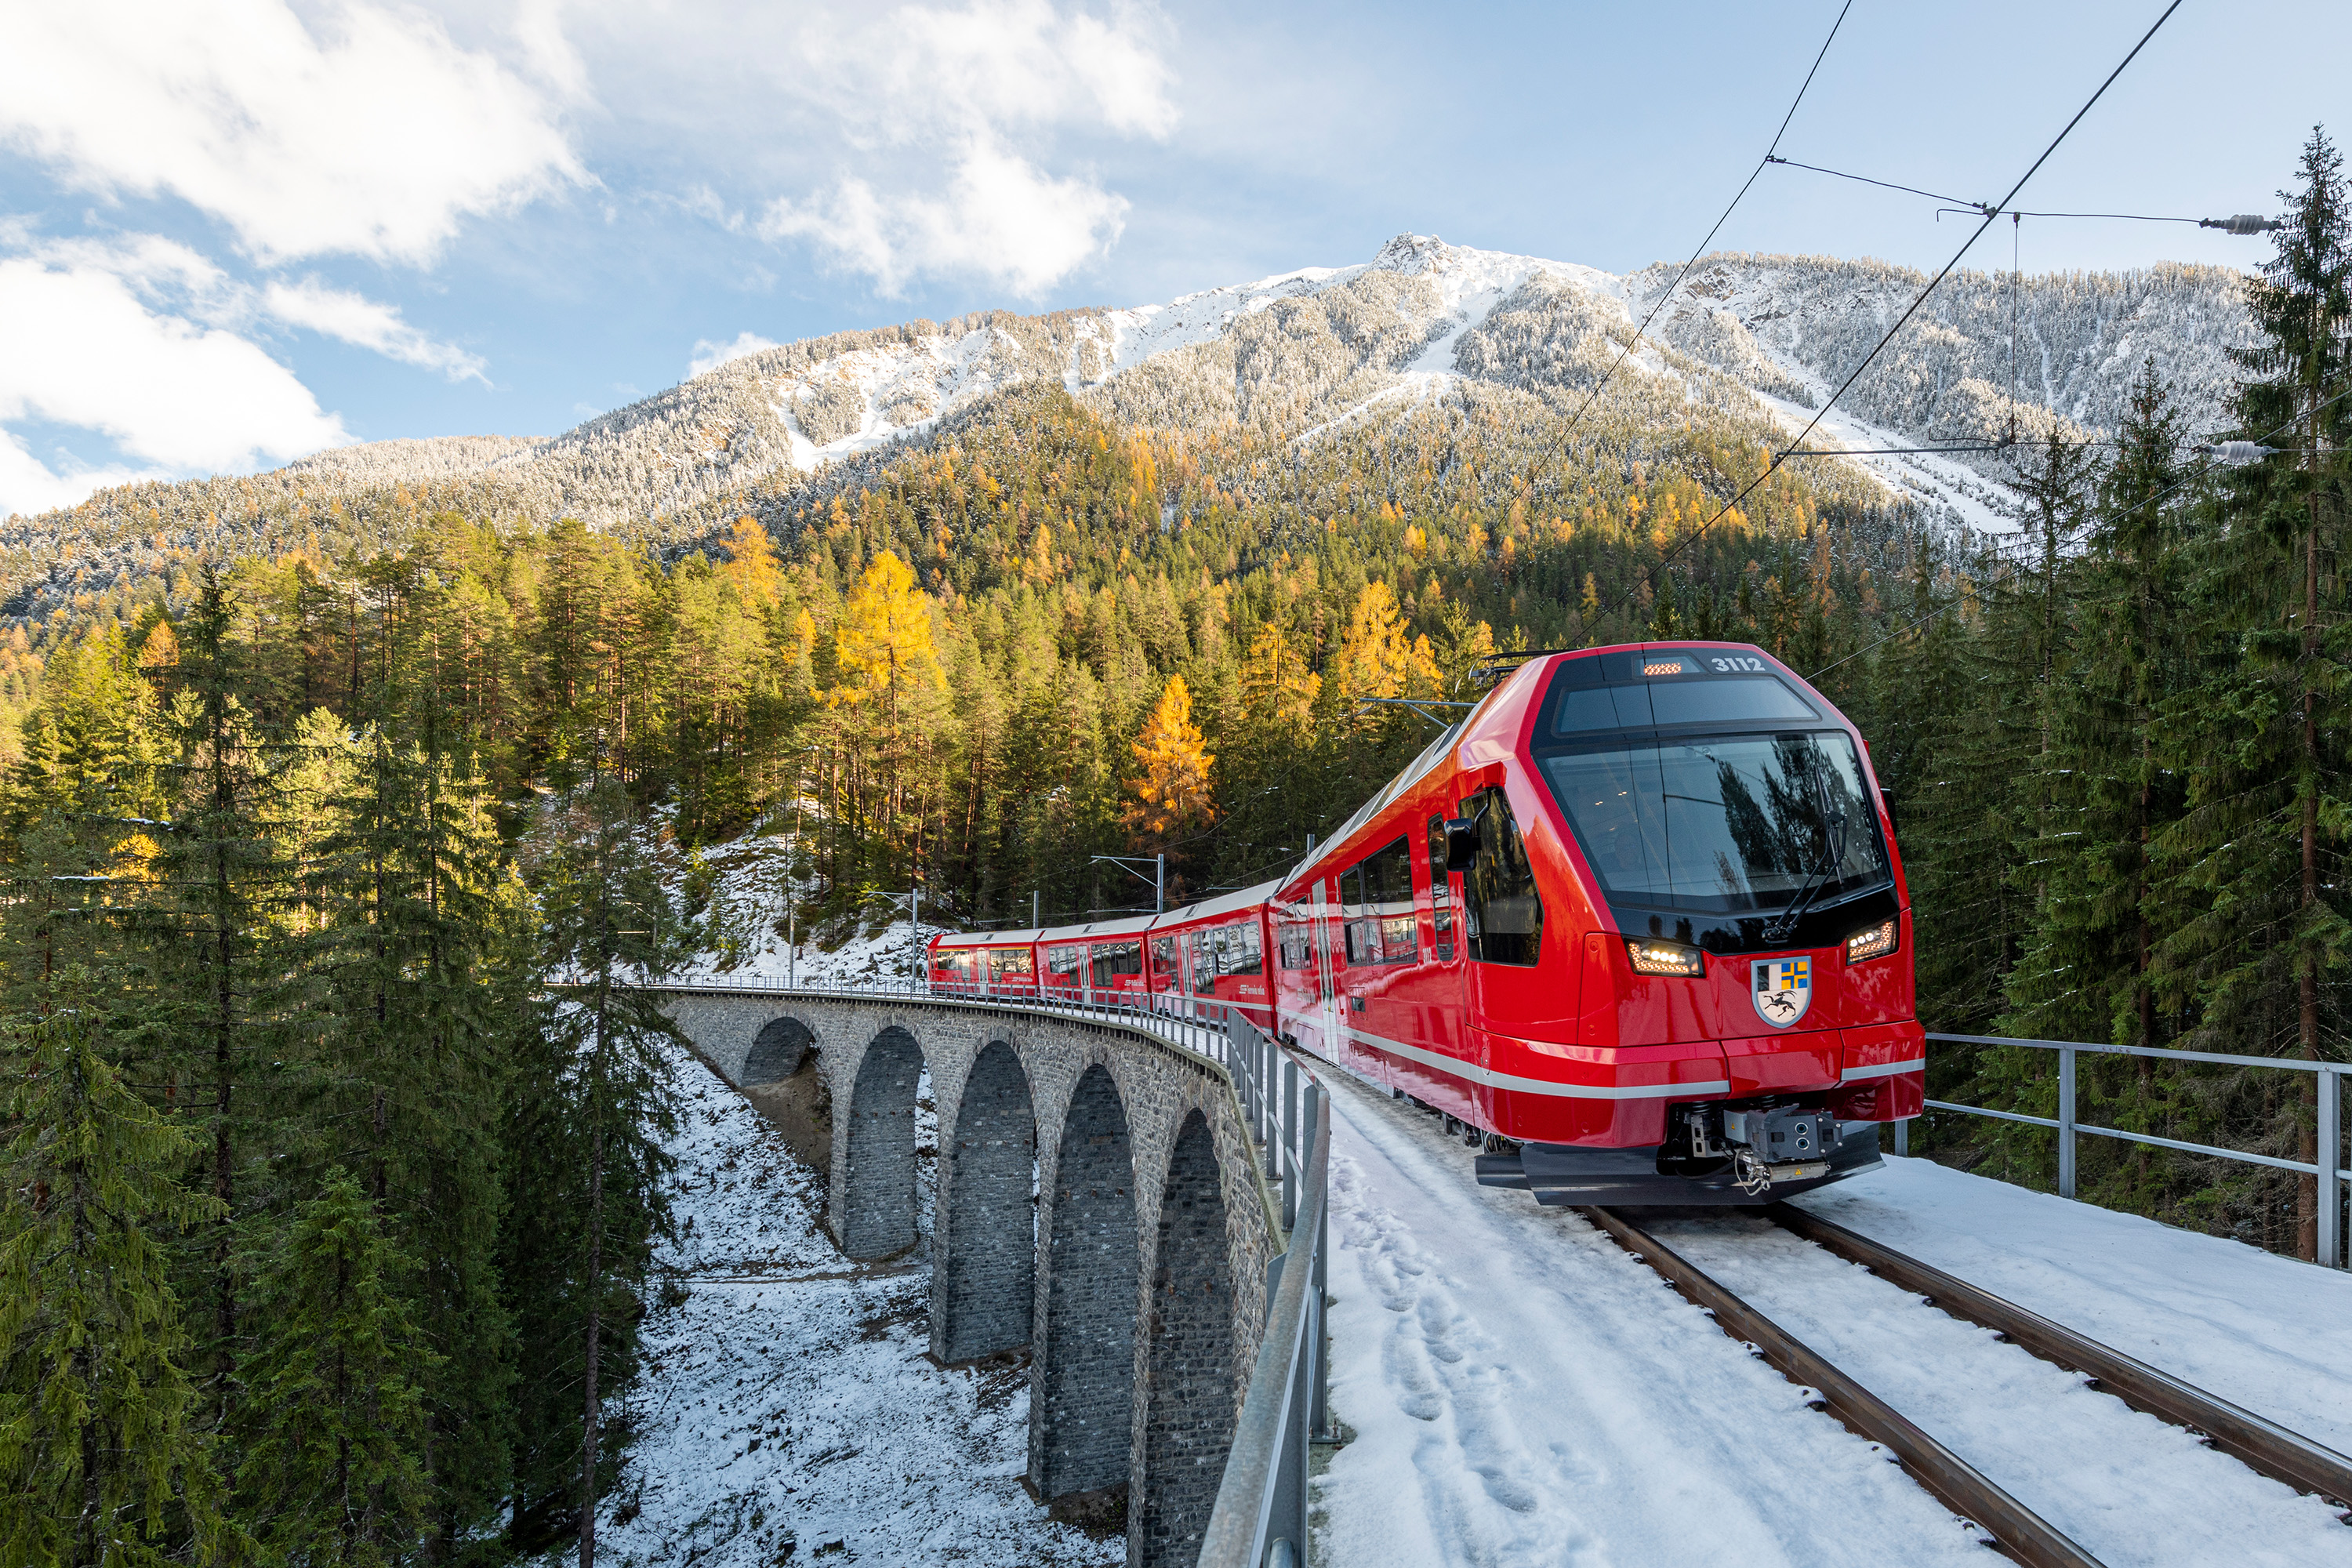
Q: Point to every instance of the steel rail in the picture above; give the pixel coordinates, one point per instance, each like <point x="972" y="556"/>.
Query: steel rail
<point x="2022" y="1533"/>
<point x="2261" y="1444"/>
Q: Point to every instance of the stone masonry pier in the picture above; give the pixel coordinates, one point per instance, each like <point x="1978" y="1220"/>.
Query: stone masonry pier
<point x="1098" y="1203"/>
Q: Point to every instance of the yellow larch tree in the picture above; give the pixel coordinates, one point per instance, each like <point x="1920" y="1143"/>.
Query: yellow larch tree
<point x="1174" y="792"/>
<point x="1377" y="659"/>
<point x="1278" y="687"/>
<point x="889" y="662"/>
<point x="752" y="565"/>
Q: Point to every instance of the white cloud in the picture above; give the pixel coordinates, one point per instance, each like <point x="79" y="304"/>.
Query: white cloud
<point x="363" y="322"/>
<point x="708" y="355"/>
<point x="980" y="94"/>
<point x="174" y="394"/>
<point x="370" y="132"/>
<point x="1000" y="217"/>
<point x="913" y="74"/>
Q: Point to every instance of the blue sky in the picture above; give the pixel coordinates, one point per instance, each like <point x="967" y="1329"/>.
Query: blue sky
<point x="235" y="231"/>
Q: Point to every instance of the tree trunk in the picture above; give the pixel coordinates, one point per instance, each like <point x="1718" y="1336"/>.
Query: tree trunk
<point x="2306" y="1201"/>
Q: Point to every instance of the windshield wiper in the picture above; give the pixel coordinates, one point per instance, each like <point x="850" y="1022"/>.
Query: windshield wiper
<point x="1782" y="925"/>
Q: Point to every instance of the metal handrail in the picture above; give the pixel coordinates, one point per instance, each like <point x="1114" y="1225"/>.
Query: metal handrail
<point x="1260" y="1519"/>
<point x="2333" y="1178"/>
<point x="1185" y="1022"/>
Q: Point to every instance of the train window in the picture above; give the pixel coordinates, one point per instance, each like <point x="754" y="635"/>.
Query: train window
<point x="1009" y="960"/>
<point x="1388" y="879"/>
<point x="1441" y="891"/>
<point x="1502" y="910"/>
<point x="1224" y="951"/>
<point x="1114" y="959"/>
<point x="1163" y="964"/>
<point x="1376" y="908"/>
<point x="1296" y="947"/>
<point x="1354" y="927"/>
<point x="1062" y="962"/>
<point x="956" y="963"/>
<point x="1724" y="824"/>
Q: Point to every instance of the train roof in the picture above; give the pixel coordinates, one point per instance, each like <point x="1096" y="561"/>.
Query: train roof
<point x="1209" y="909"/>
<point x="1132" y="925"/>
<point x="988" y="938"/>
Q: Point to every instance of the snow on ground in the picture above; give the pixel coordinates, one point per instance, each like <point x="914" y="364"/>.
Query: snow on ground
<point x="2261" y="1331"/>
<point x="787" y="1395"/>
<point x="2128" y="1487"/>
<point x="748" y="878"/>
<point x="1523" y="1393"/>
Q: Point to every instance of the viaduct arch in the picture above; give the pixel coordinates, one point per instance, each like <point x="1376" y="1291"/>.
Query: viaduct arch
<point x="1133" y="1275"/>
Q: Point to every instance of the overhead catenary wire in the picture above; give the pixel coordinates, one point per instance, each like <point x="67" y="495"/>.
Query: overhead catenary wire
<point x="2117" y="517"/>
<point x="1625" y="349"/>
<point x="1962" y="204"/>
<point x="1990" y="212"/>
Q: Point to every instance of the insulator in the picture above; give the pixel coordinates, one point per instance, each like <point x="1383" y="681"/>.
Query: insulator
<point x="2242" y="223"/>
<point x="2236" y="451"/>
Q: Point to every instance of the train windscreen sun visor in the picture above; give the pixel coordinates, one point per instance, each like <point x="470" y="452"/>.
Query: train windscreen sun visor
<point x="1723" y="825"/>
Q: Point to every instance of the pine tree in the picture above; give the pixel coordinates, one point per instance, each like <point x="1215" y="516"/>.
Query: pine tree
<point x="98" y="1462"/>
<point x="332" y="1424"/>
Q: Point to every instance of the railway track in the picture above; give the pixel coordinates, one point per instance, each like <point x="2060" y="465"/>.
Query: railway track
<point x="2261" y="1445"/>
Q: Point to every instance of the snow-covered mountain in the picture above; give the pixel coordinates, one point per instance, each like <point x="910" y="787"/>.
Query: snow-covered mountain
<point x="1759" y="341"/>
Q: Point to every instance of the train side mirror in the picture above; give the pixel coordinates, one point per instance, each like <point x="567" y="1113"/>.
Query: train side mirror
<point x="1886" y="799"/>
<point x="1461" y="843"/>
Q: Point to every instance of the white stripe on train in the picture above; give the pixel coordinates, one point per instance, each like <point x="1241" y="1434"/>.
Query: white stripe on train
<point x="1455" y="1066"/>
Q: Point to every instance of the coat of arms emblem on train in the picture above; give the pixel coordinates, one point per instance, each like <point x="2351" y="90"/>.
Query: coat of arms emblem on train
<point x="1781" y="988"/>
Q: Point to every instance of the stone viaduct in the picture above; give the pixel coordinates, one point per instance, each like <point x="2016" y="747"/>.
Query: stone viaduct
<point x="1099" y="1201"/>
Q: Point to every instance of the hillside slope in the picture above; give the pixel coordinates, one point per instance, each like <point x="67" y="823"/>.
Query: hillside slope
<point x="1750" y="344"/>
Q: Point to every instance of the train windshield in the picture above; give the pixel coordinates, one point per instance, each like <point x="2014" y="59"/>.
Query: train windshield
<point x="1723" y="823"/>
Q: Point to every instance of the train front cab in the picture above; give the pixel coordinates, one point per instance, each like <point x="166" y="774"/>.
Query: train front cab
<point x="1644" y="921"/>
<point x="1737" y="933"/>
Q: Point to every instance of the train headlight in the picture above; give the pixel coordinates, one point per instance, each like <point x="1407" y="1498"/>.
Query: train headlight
<point x="1652" y="956"/>
<point x="1874" y="941"/>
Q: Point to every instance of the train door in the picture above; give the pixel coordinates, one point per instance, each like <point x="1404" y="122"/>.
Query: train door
<point x="1502" y="918"/>
<point x="1327" y="982"/>
<point x="1435" y="986"/>
<point x="1165" y="975"/>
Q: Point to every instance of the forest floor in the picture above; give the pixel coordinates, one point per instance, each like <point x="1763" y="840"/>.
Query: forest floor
<point x="787" y="1411"/>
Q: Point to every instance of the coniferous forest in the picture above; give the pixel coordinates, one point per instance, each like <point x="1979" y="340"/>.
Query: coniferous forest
<point x="333" y="1131"/>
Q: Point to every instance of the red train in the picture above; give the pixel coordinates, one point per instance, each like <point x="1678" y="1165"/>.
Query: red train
<point x="1638" y="919"/>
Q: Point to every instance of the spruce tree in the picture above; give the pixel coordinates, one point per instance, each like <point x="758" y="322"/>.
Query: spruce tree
<point x="2262" y="733"/>
<point x="592" y="1103"/>
<point x="423" y="1012"/>
<point x="99" y="1464"/>
<point x="330" y="1432"/>
<point x="223" y="974"/>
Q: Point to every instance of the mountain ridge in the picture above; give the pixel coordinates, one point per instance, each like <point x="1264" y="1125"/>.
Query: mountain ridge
<point x="1753" y="343"/>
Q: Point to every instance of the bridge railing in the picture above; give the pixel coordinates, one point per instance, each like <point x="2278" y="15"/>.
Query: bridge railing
<point x="1261" y="1515"/>
<point x="1196" y="1024"/>
<point x="2333" y="1177"/>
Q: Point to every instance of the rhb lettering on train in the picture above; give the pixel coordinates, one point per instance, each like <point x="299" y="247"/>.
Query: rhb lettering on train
<point x="1782" y="988"/>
